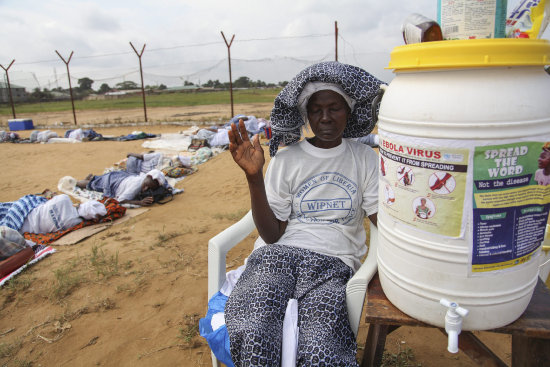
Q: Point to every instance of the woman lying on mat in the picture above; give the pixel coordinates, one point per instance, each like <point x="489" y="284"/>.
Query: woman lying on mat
<point x="137" y="163"/>
<point x="37" y="214"/>
<point x="59" y="213"/>
<point x="125" y="187"/>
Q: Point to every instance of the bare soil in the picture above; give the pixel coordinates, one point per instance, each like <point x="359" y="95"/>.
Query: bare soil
<point x="132" y="295"/>
<point x="207" y="114"/>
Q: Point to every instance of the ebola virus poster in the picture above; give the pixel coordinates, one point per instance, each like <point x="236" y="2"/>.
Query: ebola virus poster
<point x="423" y="185"/>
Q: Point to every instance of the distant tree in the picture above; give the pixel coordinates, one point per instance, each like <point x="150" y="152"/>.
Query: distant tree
<point x="259" y="84"/>
<point x="85" y="84"/>
<point x="186" y="83"/>
<point x="213" y="84"/>
<point x="283" y="84"/>
<point x="128" y="84"/>
<point x="242" y="82"/>
<point x="155" y="87"/>
<point x="104" y="88"/>
<point x="40" y="95"/>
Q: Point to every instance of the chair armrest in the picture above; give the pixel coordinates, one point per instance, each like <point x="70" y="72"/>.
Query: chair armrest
<point x="356" y="289"/>
<point x="219" y="245"/>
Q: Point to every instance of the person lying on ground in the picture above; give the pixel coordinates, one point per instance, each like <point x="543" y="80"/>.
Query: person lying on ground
<point x="37" y="214"/>
<point x="15" y="251"/>
<point x="137" y="163"/>
<point x="126" y="187"/>
<point x="59" y="213"/>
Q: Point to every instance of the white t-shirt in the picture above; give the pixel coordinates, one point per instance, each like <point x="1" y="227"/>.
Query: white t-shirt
<point x="541" y="178"/>
<point x="54" y="215"/>
<point x="325" y="194"/>
<point x="129" y="187"/>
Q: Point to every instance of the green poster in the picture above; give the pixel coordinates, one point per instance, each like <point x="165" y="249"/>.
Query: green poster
<point x="511" y="197"/>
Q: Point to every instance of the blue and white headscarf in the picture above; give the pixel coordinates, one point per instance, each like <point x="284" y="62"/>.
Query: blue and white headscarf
<point x="360" y="86"/>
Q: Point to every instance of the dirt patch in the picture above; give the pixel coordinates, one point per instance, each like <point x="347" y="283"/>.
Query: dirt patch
<point x="208" y="114"/>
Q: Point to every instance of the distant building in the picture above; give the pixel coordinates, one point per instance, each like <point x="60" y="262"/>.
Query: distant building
<point x="18" y="93"/>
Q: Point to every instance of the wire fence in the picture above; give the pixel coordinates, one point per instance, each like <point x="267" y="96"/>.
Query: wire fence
<point x="177" y="65"/>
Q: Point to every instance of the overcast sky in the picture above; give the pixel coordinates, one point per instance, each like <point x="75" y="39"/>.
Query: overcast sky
<point x="273" y="39"/>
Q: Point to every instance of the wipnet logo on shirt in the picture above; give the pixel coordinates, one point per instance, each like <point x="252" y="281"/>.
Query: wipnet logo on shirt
<point x="326" y="198"/>
<point x="54" y="216"/>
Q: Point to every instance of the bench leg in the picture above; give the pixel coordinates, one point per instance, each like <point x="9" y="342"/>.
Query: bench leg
<point x="530" y="352"/>
<point x="374" y="347"/>
<point x="477" y="351"/>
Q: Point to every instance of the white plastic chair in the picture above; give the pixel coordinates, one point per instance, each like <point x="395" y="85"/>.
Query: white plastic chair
<point x="219" y="245"/>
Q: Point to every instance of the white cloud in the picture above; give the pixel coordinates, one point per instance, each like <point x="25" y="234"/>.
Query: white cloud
<point x="183" y="37"/>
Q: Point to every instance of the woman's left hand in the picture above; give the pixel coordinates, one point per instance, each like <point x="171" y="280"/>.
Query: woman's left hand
<point x="248" y="155"/>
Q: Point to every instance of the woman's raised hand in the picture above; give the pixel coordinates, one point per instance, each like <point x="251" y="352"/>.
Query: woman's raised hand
<point x="248" y="155"/>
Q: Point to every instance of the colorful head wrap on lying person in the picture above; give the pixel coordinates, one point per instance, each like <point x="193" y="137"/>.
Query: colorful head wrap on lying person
<point x="360" y="86"/>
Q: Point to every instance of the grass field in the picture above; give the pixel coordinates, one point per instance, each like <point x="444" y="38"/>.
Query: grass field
<point x="157" y="100"/>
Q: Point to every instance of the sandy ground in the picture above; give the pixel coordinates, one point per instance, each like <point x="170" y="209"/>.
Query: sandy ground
<point x="132" y="295"/>
<point x="211" y="114"/>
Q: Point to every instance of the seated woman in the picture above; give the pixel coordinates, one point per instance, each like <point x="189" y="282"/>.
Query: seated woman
<point x="125" y="187"/>
<point x="309" y="210"/>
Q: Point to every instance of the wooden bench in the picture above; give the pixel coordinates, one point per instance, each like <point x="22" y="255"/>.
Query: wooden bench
<point x="530" y="333"/>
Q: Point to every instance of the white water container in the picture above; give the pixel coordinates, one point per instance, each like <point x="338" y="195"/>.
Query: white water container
<point x="461" y="214"/>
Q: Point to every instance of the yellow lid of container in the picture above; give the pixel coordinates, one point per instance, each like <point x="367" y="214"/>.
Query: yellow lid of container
<point x="470" y="53"/>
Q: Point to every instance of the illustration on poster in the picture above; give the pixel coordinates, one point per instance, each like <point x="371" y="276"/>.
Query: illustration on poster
<point x="382" y="166"/>
<point x="389" y="195"/>
<point x="442" y="183"/>
<point x="405" y="175"/>
<point x="424" y="208"/>
<point x="542" y="175"/>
